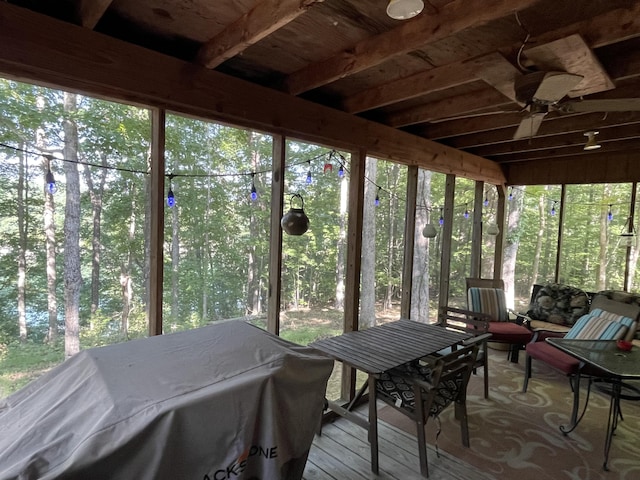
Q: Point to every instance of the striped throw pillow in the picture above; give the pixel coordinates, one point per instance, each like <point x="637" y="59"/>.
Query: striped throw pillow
<point x="598" y="327"/>
<point x="491" y="301"/>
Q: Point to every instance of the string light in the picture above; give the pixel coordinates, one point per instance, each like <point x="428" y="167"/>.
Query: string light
<point x="309" y="179"/>
<point x="377" y="201"/>
<point x="50" y="182"/>
<point x="171" y="198"/>
<point x="254" y="192"/>
<point x="610" y="213"/>
<point x="553" y="208"/>
<point x="341" y="171"/>
<point x="510" y="193"/>
<point x="486" y="201"/>
<point x="466" y="210"/>
<point x="441" y="219"/>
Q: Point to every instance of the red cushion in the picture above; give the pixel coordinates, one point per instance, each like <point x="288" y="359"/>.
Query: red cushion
<point x="509" y="332"/>
<point x="554" y="357"/>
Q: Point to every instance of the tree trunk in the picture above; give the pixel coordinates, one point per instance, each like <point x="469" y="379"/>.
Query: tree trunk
<point x="50" y="248"/>
<point x="72" y="275"/>
<point x="175" y="261"/>
<point x="511" y="245"/>
<point x="22" y="251"/>
<point x="342" y="244"/>
<point x="125" y="273"/>
<point x="95" y="194"/>
<point x="420" y="282"/>
<point x="535" y="268"/>
<point x="603" y="240"/>
<point x="392" y="251"/>
<point x="368" y="269"/>
<point x="253" y="273"/>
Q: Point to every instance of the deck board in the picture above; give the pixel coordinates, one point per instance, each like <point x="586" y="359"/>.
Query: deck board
<point x="342" y="453"/>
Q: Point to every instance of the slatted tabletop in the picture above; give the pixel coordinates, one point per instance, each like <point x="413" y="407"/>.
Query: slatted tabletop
<point x="386" y="346"/>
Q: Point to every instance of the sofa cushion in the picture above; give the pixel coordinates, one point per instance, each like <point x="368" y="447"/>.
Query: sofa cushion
<point x="509" y="332"/>
<point x="554" y="357"/>
<point x="559" y="304"/>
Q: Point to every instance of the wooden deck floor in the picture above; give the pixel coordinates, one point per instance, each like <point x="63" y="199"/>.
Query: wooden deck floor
<point x="342" y="453"/>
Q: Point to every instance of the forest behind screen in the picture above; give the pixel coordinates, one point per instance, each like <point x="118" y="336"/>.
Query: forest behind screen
<point x="74" y="264"/>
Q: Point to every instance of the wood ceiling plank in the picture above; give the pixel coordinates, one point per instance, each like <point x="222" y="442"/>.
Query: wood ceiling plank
<point x="572" y="54"/>
<point x="413" y="86"/>
<point x="411" y="35"/>
<point x="91" y="11"/>
<point x="570" y="139"/>
<point x="50" y="52"/>
<point x="264" y="18"/>
<point x="448" y="107"/>
<point x="600" y="167"/>
<point x="560" y="124"/>
<point x="462" y="126"/>
<point x="598" y="31"/>
<point x="631" y="145"/>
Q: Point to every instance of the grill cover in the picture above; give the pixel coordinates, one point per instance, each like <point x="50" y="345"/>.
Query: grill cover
<point x="227" y="401"/>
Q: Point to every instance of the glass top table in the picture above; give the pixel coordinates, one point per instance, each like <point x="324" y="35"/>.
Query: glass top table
<point x="615" y="364"/>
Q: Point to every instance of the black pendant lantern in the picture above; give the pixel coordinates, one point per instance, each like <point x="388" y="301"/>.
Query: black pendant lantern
<point x="295" y="221"/>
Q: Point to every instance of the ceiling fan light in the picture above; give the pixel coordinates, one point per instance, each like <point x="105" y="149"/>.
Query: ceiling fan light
<point x="591" y="144"/>
<point x="404" y="9"/>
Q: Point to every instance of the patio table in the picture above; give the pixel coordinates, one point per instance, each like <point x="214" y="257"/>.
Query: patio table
<point x="616" y="366"/>
<point x="381" y="348"/>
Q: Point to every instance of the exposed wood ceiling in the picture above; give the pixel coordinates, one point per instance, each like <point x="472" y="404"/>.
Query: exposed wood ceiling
<point x="446" y="75"/>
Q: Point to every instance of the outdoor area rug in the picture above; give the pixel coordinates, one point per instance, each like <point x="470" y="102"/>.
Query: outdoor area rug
<point x="515" y="435"/>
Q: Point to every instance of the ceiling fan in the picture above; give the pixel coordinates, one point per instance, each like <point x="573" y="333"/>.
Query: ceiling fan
<point x="541" y="91"/>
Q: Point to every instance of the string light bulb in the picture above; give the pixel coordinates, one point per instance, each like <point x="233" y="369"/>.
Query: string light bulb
<point x="377" y="201"/>
<point x="486" y="201"/>
<point x="609" y="214"/>
<point x="553" y="208"/>
<point x="50" y="182"/>
<point x="171" y="198"/>
<point x="341" y="171"/>
<point x="254" y="192"/>
<point x="309" y="179"/>
<point x="441" y="219"/>
<point x="466" y="211"/>
<point x="510" y="193"/>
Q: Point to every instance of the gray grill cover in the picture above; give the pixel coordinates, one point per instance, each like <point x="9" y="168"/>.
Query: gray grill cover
<point x="228" y="401"/>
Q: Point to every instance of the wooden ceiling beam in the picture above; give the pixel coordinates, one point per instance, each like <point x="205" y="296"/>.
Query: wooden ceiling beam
<point x="449" y="107"/>
<point x="91" y="11"/>
<point x="264" y="18"/>
<point x="412" y="35"/>
<point x="422" y="83"/>
<point x="40" y="49"/>
<point x="616" y="167"/>
<point x="556" y="125"/>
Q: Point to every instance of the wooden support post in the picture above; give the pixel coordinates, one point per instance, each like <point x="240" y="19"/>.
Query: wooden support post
<point x="275" y="238"/>
<point x="447" y="232"/>
<point x="501" y="215"/>
<point x="563" y="197"/>
<point x="354" y="259"/>
<point x="156" y="260"/>
<point x="476" y="234"/>
<point x="409" y="242"/>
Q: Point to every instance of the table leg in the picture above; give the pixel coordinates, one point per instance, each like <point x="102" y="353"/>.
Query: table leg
<point x="575" y="420"/>
<point x="612" y="422"/>
<point x="373" y="424"/>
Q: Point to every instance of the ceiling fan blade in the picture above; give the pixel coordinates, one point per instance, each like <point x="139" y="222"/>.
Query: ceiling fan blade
<point x="555" y="85"/>
<point x="610" y="105"/>
<point x="529" y="126"/>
